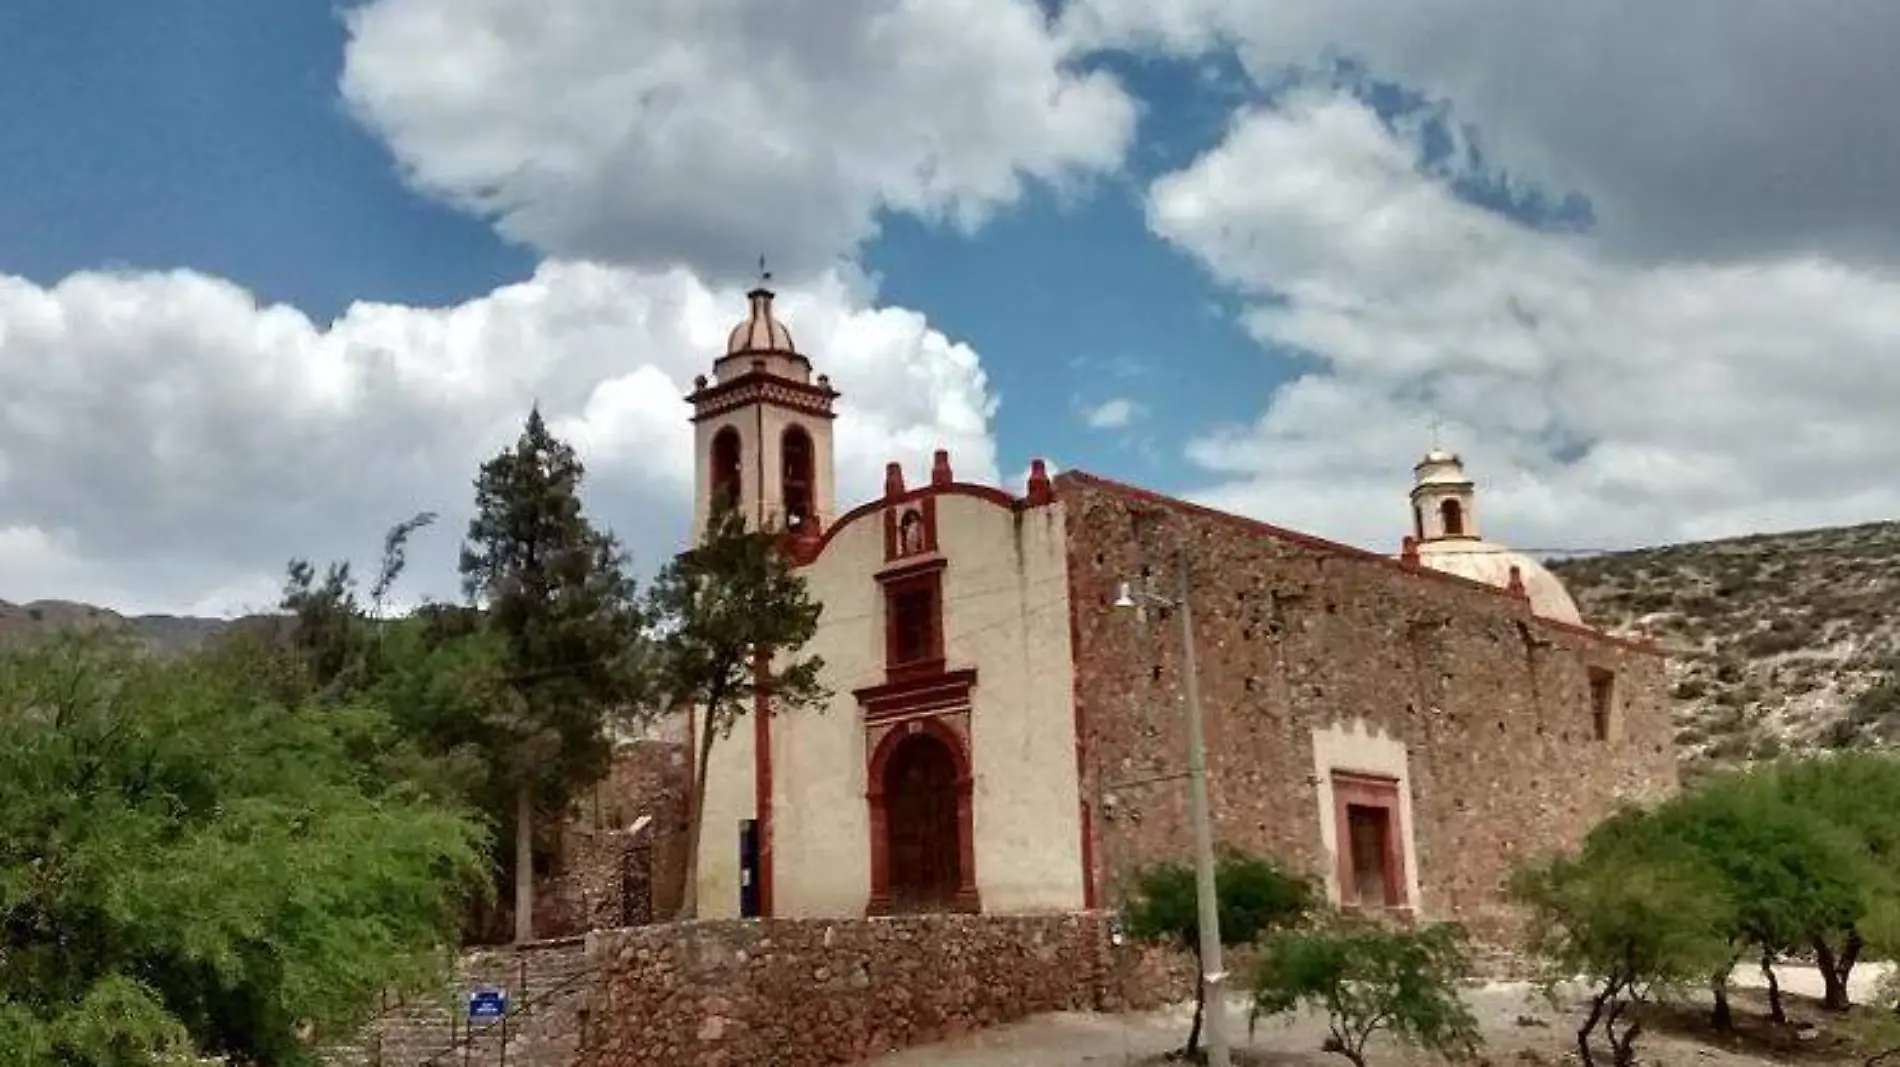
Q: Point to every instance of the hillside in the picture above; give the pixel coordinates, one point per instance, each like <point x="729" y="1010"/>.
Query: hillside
<point x="1776" y="642"/>
<point x="164" y="634"/>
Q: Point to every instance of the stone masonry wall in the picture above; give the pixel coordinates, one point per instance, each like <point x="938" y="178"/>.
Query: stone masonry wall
<point x="804" y="992"/>
<point x="1292" y="635"/>
<point x="586" y="892"/>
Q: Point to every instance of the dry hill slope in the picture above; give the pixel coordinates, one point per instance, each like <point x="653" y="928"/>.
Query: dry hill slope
<point x="1776" y="641"/>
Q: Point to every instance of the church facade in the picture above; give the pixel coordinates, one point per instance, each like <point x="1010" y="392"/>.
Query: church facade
<point x="1005" y="734"/>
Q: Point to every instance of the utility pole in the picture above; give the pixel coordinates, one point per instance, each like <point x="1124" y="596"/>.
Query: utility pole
<point x="1214" y="978"/>
<point x="1214" y="973"/>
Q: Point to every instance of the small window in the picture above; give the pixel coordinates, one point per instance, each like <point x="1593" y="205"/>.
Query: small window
<point x="795" y="455"/>
<point x="913" y="625"/>
<point x="725" y="468"/>
<point x="1602" y="702"/>
<point x="1453" y="517"/>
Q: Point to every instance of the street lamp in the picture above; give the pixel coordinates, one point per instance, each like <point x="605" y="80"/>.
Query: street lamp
<point x="1215" y="976"/>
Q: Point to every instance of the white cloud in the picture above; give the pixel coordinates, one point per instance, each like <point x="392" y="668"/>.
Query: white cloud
<point x="166" y="443"/>
<point x="681" y="131"/>
<point x="1698" y="128"/>
<point x="1598" y="400"/>
<point x="1116" y="414"/>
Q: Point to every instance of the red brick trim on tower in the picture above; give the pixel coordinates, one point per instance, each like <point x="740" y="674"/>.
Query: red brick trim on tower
<point x="967" y="898"/>
<point x="1334" y="548"/>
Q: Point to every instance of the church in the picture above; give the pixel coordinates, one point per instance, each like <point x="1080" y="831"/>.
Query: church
<point x="1006" y="727"/>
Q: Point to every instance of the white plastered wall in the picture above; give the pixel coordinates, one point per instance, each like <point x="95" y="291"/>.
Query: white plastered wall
<point x="1006" y="614"/>
<point x="1355" y="749"/>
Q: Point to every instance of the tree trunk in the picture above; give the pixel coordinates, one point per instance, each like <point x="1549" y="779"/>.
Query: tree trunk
<point x="1776" y="1011"/>
<point x="1833" y="981"/>
<point x="524" y="862"/>
<point x="1191" y="1051"/>
<point x="1723" y="1018"/>
<point x="1590" y="1024"/>
<point x="695" y="820"/>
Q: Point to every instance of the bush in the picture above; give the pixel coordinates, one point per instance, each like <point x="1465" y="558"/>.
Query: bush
<point x="1367" y="978"/>
<point x="1255" y="896"/>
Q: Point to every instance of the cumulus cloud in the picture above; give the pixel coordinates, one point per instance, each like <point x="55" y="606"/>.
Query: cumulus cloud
<point x="1599" y="400"/>
<point x="680" y="131"/>
<point x="1698" y="128"/>
<point x="166" y="442"/>
<point x="1116" y="414"/>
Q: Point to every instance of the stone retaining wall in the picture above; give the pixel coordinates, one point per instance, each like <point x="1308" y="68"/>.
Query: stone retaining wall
<point x="798" y="992"/>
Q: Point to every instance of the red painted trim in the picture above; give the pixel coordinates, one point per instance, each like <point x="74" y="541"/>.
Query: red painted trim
<point x="1083" y="779"/>
<point x="1068" y="479"/>
<point x="719" y="391"/>
<point x="924" y="492"/>
<point x="909" y="571"/>
<point x="1370" y="791"/>
<point x="968" y="898"/>
<point x="928" y="580"/>
<point x="762" y="774"/>
<point x="909" y="696"/>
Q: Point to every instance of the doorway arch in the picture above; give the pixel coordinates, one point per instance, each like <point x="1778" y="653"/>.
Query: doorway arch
<point x="922" y="851"/>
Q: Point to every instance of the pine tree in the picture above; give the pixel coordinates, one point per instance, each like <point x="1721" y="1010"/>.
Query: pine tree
<point x="562" y="606"/>
<point x="733" y="614"/>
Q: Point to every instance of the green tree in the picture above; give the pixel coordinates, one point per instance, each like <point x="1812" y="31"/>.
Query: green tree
<point x="557" y="592"/>
<point x="189" y="866"/>
<point x="733" y="615"/>
<point x="1789" y="875"/>
<point x="1857" y="793"/>
<point x="333" y="632"/>
<point x="1253" y="896"/>
<point x="1635" y="914"/>
<point x="1369" y="977"/>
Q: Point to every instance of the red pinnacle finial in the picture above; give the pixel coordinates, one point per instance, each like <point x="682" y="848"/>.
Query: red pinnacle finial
<point x="1516" y="587"/>
<point x="1040" y="491"/>
<point x="893" y="479"/>
<point x="940" y="468"/>
<point x="1408" y="551"/>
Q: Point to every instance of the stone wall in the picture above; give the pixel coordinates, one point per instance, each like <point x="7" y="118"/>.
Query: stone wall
<point x="587" y="890"/>
<point x="799" y="992"/>
<point x="1293" y="635"/>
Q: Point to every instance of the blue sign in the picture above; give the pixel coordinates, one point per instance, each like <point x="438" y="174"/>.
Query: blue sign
<point x="487" y="1004"/>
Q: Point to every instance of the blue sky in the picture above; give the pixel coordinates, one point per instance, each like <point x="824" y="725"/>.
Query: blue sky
<point x="1284" y="238"/>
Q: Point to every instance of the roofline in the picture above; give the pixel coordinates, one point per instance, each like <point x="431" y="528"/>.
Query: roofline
<point x="1341" y="550"/>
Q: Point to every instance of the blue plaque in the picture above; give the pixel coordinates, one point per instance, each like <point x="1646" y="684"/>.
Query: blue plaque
<point x="487" y="1004"/>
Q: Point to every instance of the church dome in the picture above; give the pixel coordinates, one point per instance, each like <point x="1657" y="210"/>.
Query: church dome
<point x="760" y="332"/>
<point x="1484" y="561"/>
<point x="1446" y="538"/>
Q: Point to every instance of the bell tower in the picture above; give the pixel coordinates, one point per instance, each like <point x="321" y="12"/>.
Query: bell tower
<point x="762" y="429"/>
<point x="1442" y="499"/>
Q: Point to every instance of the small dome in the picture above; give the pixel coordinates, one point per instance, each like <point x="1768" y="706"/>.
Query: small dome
<point x="1483" y="561"/>
<point x="760" y="332"/>
<point x="1440" y="467"/>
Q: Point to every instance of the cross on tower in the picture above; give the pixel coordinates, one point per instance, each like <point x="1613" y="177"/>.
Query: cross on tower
<point x="1437" y="424"/>
<point x="765" y="276"/>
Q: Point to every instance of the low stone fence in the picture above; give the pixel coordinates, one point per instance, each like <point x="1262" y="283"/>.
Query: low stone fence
<point x="799" y="992"/>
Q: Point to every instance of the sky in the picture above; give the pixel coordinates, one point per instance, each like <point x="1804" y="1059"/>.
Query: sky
<point x="275" y="277"/>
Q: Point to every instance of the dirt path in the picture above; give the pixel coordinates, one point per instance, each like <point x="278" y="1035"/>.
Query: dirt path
<point x="1518" y="1024"/>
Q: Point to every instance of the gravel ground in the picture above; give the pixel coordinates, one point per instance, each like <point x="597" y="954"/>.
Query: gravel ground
<point x="1519" y="1026"/>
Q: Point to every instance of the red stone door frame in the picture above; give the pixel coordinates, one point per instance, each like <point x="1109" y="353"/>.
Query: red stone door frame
<point x="967" y="898"/>
<point x="1352" y="789"/>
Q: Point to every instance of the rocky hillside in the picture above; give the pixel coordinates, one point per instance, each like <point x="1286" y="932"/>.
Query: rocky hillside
<point x="164" y="634"/>
<point x="1777" y="642"/>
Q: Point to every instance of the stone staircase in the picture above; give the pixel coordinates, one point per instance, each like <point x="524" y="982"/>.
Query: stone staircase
<point x="548" y="985"/>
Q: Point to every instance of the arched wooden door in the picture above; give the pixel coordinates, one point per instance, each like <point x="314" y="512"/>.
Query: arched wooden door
<point x="920" y="793"/>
